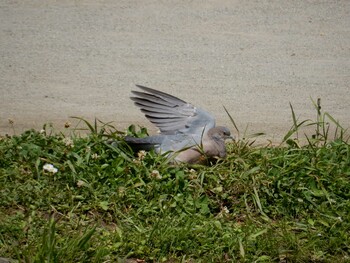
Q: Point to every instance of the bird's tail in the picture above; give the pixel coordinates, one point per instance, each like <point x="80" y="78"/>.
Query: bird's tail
<point x="138" y="144"/>
<point x="147" y="143"/>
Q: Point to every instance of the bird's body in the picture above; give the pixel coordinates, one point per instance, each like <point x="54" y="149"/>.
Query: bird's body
<point x="187" y="133"/>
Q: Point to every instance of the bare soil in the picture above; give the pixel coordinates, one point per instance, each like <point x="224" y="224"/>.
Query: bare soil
<point x="82" y="58"/>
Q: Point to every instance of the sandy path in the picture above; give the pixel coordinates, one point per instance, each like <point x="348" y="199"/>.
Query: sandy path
<point x="82" y="58"/>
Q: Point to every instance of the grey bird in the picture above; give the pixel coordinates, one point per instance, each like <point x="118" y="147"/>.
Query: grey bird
<point x="187" y="134"/>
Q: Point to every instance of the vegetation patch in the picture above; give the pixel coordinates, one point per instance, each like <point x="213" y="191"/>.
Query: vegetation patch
<point x="83" y="199"/>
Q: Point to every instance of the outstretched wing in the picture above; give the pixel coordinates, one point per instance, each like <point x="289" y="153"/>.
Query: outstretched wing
<point x="170" y="114"/>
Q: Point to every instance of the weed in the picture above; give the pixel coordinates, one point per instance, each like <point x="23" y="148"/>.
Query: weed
<point x="103" y="204"/>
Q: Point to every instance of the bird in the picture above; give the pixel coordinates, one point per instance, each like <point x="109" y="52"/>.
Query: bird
<point x="188" y="134"/>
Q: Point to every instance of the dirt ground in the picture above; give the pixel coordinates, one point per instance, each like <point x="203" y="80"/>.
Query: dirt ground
<point x="82" y="58"/>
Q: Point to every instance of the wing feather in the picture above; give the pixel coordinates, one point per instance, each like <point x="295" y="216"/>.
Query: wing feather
<point x="171" y="114"/>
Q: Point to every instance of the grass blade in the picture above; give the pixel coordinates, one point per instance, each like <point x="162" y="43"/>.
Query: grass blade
<point x="232" y="120"/>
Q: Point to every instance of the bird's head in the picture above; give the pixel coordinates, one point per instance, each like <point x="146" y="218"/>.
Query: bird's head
<point x="220" y="133"/>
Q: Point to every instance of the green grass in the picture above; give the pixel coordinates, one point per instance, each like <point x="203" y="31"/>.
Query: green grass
<point x="288" y="203"/>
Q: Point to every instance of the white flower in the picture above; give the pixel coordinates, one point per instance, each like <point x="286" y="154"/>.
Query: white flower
<point x="225" y="210"/>
<point x="141" y="155"/>
<point x="68" y="142"/>
<point x="80" y="183"/>
<point x="95" y="156"/>
<point x="50" y="168"/>
<point x="193" y="174"/>
<point x="136" y="161"/>
<point x="156" y="174"/>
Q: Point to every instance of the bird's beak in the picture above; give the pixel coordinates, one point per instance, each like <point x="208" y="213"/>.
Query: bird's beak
<point x="230" y="138"/>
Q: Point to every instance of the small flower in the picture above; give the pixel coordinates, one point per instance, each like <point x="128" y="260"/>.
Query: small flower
<point x="136" y="161"/>
<point x="80" y="183"/>
<point x="225" y="210"/>
<point x="95" y="156"/>
<point x="68" y="142"/>
<point x="340" y="219"/>
<point x="50" y="168"/>
<point x="42" y="131"/>
<point x="141" y="155"/>
<point x="193" y="174"/>
<point x="156" y="174"/>
<point x="319" y="234"/>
